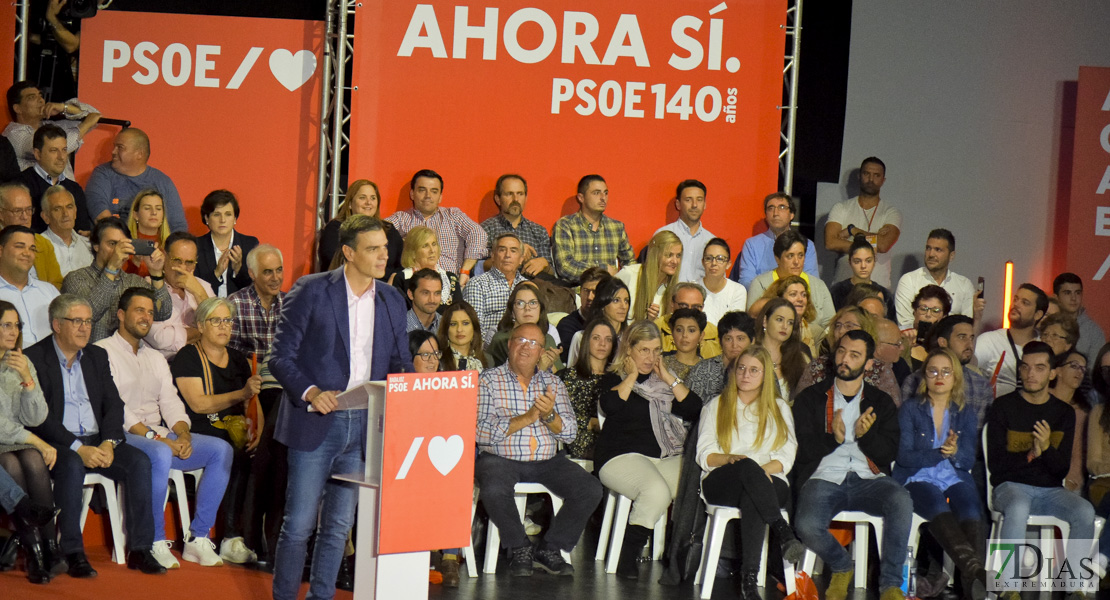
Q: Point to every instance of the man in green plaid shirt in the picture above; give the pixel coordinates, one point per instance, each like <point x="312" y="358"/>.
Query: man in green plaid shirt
<point x="588" y="238"/>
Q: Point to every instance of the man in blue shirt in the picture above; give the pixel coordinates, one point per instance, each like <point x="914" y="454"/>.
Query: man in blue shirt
<point x="756" y="257"/>
<point x="114" y="184"/>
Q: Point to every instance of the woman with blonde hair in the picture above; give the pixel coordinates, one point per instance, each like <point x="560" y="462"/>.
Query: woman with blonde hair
<point x="746" y="445"/>
<point x="651" y="282"/>
<point x="421" y="251"/>
<point x="146" y="221"/>
<point x="638" y="453"/>
<point x="362" y="198"/>
<point x="935" y="456"/>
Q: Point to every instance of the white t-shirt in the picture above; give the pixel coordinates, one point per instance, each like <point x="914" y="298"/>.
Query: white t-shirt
<point x="732" y="297"/>
<point x="988" y="350"/>
<point x="848" y="213"/>
<point x="958" y="287"/>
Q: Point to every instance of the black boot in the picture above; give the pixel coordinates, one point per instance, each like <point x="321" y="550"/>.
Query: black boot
<point x="792" y="548"/>
<point x="9" y="549"/>
<point x="33" y="557"/>
<point x="635" y="537"/>
<point x="52" y="557"/>
<point x="749" y="588"/>
<point x="955" y="542"/>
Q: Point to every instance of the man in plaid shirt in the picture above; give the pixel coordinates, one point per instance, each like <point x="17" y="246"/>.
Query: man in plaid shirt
<point x="588" y="238"/>
<point x="461" y="241"/>
<point x="523" y="416"/>
<point x="511" y="195"/>
<point x="489" y="292"/>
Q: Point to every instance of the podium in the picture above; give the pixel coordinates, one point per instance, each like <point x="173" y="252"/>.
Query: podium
<point x="417" y="489"/>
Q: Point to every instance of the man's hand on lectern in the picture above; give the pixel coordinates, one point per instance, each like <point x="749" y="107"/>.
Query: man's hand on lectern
<point x="324" y="402"/>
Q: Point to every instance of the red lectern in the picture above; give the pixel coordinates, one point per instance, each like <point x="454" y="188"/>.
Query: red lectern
<point x="416" y="493"/>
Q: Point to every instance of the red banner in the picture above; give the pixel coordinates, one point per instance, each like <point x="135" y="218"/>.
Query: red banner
<point x="1089" y="211"/>
<point x="428" y="462"/>
<point x="646" y="93"/>
<point x="228" y="102"/>
<point x="7" y="53"/>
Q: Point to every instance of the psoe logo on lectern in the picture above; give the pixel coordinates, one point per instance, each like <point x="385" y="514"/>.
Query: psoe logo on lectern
<point x="444" y="454"/>
<point x="180" y="63"/>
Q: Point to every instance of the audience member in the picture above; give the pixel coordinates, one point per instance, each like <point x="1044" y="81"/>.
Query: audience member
<point x="30" y="296"/>
<point x="939" y="435"/>
<point x="998" y="352"/>
<point x="426" y="356"/>
<point x="147" y="221"/>
<point x="462" y="240"/>
<point x="649" y="283"/>
<point x="778" y="331"/>
<point x="610" y="302"/>
<point x="722" y="295"/>
<point x="795" y="290"/>
<point x="746" y="446"/>
<point x="510" y="194"/>
<point x="421" y="251"/>
<point x="1070" y="387"/>
<point x="757" y="256"/>
<point x="707" y="378"/>
<point x="525" y="448"/>
<point x="789" y="250"/>
<point x="876" y="373"/>
<point x="221" y="251"/>
<point x="879" y="223"/>
<point x="940" y="249"/>
<point x="460" y="338"/>
<point x="573" y="322"/>
<point x="1060" y="331"/>
<point x="889" y="346"/>
<point x="583" y="384"/>
<point x="9" y="166"/>
<point x="688" y="295"/>
<point x="524" y="306"/>
<point x="873" y="298"/>
<point x="861" y="260"/>
<point x="689" y="201"/>
<point x="16" y="209"/>
<point x="112" y="183"/>
<point x="1098" y="449"/>
<point x="28" y="109"/>
<point x="489" y="292"/>
<point x="931" y="304"/>
<point x="103" y="282"/>
<point x="1068" y="289"/>
<point x="48" y="170"/>
<point x="157" y="424"/>
<point x="186" y="293"/>
<point x="59" y="212"/>
<point x="26" y="516"/>
<point x="84" y="424"/>
<point x="217" y="386"/>
<point x="687" y="327"/>
<point x="588" y="238"/>
<point x="363" y="198"/>
<point x="425" y="293"/>
<point x="848" y="435"/>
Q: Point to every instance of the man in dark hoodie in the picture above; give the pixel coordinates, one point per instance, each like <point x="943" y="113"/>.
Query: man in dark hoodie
<point x="847" y="439"/>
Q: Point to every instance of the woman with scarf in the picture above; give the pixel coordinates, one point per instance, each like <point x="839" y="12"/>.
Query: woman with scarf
<point x="639" y="451"/>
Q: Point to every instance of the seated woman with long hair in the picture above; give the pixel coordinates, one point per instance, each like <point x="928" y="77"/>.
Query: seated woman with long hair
<point x="582" y="380"/>
<point x="639" y="450"/>
<point x="850" y="318"/>
<point x="146" y="221"/>
<point x="736" y="330"/>
<point x="421" y="251"/>
<point x="935" y="456"/>
<point x="746" y="446"/>
<point x="795" y="290"/>
<point x="650" y="283"/>
<point x="687" y="328"/>
<point x="460" y="338"/>
<point x="777" y="332"/>
<point x="525" y="306"/>
<point x="362" y="198"/>
<point x="611" y="302"/>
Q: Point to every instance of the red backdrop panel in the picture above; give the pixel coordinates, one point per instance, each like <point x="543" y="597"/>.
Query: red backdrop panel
<point x="1089" y="212"/>
<point x="512" y="104"/>
<point x="228" y="102"/>
<point x="7" y="52"/>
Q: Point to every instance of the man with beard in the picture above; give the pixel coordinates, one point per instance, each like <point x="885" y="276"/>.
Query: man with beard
<point x="51" y="160"/>
<point x="879" y="223"/>
<point x="588" y="238"/>
<point x="425" y="293"/>
<point x="1004" y="345"/>
<point x="158" y="425"/>
<point x="689" y="201"/>
<point x="940" y="248"/>
<point x="511" y="196"/>
<point x="489" y="292"/>
<point x="848" y="437"/>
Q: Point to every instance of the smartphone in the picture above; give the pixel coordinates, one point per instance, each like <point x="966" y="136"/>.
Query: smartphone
<point x="143" y="247"/>
<point x="981" y="286"/>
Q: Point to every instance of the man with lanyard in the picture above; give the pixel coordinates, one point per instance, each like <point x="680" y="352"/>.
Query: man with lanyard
<point x="998" y="352"/>
<point x="879" y="223"/>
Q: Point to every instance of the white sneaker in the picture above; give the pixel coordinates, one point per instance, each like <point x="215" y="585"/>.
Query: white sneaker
<point x="161" y="552"/>
<point x="235" y="550"/>
<point x="202" y="551"/>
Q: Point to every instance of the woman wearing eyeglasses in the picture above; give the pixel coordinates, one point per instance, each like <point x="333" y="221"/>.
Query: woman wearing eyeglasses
<point x="217" y="385"/>
<point x="935" y="455"/>
<point x="722" y="294"/>
<point x="645" y="409"/>
<point x="1071" y="386"/>
<point x="931" y="304"/>
<point x="1060" y="331"/>
<point x="525" y="306"/>
<point x="424" y="347"/>
<point x="746" y="445"/>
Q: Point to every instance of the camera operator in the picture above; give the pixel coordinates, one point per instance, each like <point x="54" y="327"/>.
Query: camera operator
<point x="54" y="47"/>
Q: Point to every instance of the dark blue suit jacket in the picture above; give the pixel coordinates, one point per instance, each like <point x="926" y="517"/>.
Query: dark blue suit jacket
<point x="312" y="347"/>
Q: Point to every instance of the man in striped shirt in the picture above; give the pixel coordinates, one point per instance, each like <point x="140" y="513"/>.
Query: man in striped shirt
<point x="523" y="416"/>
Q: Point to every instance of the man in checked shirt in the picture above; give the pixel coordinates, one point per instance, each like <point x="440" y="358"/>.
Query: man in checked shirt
<point x="523" y="415"/>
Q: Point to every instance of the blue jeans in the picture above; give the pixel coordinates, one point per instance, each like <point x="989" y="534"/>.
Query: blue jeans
<point x="819" y="501"/>
<point x="209" y="453"/>
<point x="962" y="499"/>
<point x="1016" y="501"/>
<point x="10" y="492"/>
<point x="312" y="492"/>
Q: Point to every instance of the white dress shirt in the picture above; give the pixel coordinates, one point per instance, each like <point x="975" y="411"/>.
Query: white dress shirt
<point x="77" y="255"/>
<point x="360" y="324"/>
<point x="33" y="304"/>
<point x="145" y="384"/>
<point x="171" y="335"/>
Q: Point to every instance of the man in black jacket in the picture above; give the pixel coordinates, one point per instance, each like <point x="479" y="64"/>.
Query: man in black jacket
<point x="85" y="425"/>
<point x="847" y="439"/>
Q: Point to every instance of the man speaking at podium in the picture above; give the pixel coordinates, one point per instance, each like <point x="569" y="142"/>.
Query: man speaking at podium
<point x="338" y="330"/>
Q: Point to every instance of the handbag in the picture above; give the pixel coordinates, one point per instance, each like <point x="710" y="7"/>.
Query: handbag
<point x="234" y="425"/>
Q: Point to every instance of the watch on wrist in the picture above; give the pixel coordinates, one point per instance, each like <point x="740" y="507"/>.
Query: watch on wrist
<point x="549" y="418"/>
<point x="115" y="443"/>
<point x="677" y="380"/>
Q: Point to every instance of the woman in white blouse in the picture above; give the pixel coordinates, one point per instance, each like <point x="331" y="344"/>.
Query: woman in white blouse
<point x="722" y="294"/>
<point x="746" y="445"/>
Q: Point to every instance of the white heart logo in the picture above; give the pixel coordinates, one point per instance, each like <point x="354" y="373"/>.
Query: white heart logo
<point x="445" y="453"/>
<point x="292" y="70"/>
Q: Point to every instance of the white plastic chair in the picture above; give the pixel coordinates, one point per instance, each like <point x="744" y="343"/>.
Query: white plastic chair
<point x="613" y="524"/>
<point x="177" y="478"/>
<point x="468" y="552"/>
<point x="714" y="537"/>
<point x="860" y="540"/>
<point x="493" y="536"/>
<point x="115" y="517"/>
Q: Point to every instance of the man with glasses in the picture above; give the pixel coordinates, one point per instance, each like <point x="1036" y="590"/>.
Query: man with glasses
<point x="16" y="209"/>
<point x="998" y="352"/>
<point x="523" y="415"/>
<point x="186" y="292"/>
<point x="1029" y="444"/>
<point x="757" y="256"/>
<point x="425" y="292"/>
<point x="688" y="295"/>
<point x="489" y="292"/>
<point x="30" y="296"/>
<point x="103" y="282"/>
<point x="689" y="201"/>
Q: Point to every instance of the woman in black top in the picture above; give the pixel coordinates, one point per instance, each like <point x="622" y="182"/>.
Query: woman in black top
<point x="228" y="272"/>
<point x="639" y="450"/>
<point x="362" y="199"/>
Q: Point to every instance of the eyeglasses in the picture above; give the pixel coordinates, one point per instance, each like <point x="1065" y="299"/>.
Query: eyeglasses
<point x="741" y="370"/>
<point x="774" y="208"/>
<point x="649" y="351"/>
<point x="529" y="343"/>
<point x="693" y="306"/>
<point x="1053" y="336"/>
<point x="217" y="322"/>
<point x="20" y="211"/>
<point x="715" y="259"/>
<point x="1074" y="364"/>
<point x="936" y="310"/>
<point x="897" y="344"/>
<point x="526" y="303"/>
<point x="846" y="326"/>
<point x="78" y="322"/>
<point x="430" y="355"/>
<point x="941" y="373"/>
<point x="188" y="264"/>
<point x="10" y="326"/>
